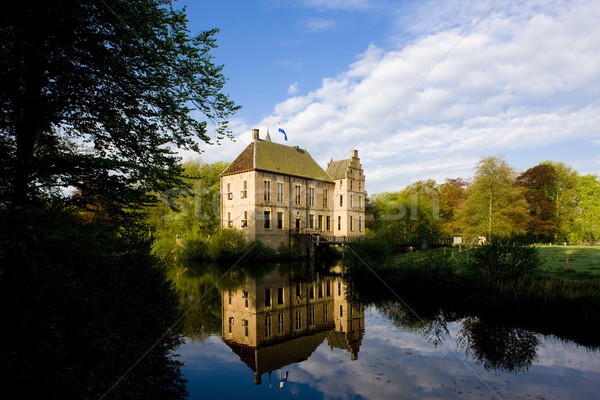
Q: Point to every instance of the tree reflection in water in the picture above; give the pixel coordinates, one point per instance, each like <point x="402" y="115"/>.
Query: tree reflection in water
<point x="497" y="346"/>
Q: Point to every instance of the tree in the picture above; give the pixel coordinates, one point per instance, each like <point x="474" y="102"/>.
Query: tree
<point x="405" y="218"/>
<point x="102" y="90"/>
<point x="565" y="198"/>
<point x="586" y="224"/>
<point x="495" y="205"/>
<point x="453" y="193"/>
<point x="539" y="183"/>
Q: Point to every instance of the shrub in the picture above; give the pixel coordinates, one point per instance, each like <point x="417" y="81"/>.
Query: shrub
<point x="259" y="250"/>
<point x="504" y="259"/>
<point x="194" y="248"/>
<point x="226" y="243"/>
<point x="370" y="250"/>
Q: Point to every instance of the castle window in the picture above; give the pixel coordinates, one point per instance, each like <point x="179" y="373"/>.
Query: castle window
<point x="245" y="220"/>
<point x="328" y="223"/>
<point x="339" y="223"/>
<point x="320" y="223"/>
<point x="229" y="194"/>
<point x="298" y="198"/>
<point x="280" y="192"/>
<point x="351" y="219"/>
<point x="267" y="219"/>
<point x="341" y="200"/>
<point x="267" y="190"/>
<point x="229" y="221"/>
<point x="244" y="193"/>
<point x="311" y="221"/>
<point x="350" y="181"/>
<point x="341" y="185"/>
<point x="328" y="289"/>
<point x="279" y="220"/>
<point x="359" y="201"/>
<point x="298" y="319"/>
<point x="230" y="324"/>
<point x="280" y="323"/>
<point x="341" y="310"/>
<point x="311" y="316"/>
<point x="325" y="313"/>
<point x="350" y="197"/>
<point x="325" y="198"/>
<point x="311" y="196"/>
<point x="267" y="297"/>
<point x="360" y="224"/>
<point x="280" y="296"/>
<point x="268" y="326"/>
<point x="245" y="325"/>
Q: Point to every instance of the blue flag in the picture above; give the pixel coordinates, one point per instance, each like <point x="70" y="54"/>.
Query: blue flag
<point x="282" y="131"/>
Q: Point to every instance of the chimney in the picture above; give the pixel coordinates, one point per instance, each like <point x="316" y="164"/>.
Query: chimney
<point x="354" y="153"/>
<point x="255" y="134"/>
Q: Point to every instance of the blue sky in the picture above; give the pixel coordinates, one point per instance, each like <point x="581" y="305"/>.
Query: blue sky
<point x="422" y="89"/>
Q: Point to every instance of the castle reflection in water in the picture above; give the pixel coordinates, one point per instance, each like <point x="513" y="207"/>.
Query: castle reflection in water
<point x="281" y="319"/>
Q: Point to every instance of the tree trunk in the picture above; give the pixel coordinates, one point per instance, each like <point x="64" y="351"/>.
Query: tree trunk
<point x="29" y="114"/>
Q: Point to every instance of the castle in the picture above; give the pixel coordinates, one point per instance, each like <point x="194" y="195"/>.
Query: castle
<point x="271" y="191"/>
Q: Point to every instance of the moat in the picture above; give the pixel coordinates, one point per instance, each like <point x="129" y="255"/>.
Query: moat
<point x="256" y="326"/>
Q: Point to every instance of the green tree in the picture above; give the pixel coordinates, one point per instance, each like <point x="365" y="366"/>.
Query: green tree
<point x="407" y="217"/>
<point x="586" y="224"/>
<point x="495" y="205"/>
<point x="96" y="96"/>
<point x="565" y="198"/>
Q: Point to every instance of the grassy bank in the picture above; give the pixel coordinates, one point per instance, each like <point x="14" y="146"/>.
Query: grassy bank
<point x="519" y="283"/>
<point x="581" y="259"/>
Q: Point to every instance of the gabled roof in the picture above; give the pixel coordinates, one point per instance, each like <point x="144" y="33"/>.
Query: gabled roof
<point x="337" y="169"/>
<point x="267" y="156"/>
<point x="276" y="356"/>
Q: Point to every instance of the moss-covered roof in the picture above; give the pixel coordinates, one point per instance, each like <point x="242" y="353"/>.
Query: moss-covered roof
<point x="267" y="156"/>
<point x="337" y="169"/>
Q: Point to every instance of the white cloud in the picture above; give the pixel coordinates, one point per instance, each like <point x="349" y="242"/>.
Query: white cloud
<point x="314" y="25"/>
<point x="293" y="89"/>
<point x="527" y="77"/>
<point x="338" y="4"/>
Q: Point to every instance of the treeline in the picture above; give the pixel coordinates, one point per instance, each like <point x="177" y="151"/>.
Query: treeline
<point x="549" y="203"/>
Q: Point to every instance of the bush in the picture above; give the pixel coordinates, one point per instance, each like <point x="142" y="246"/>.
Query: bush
<point x="227" y="243"/>
<point x="504" y="259"/>
<point x="259" y="250"/>
<point x="194" y="248"/>
<point x="370" y="250"/>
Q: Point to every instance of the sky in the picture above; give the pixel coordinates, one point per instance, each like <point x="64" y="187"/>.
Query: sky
<point x="422" y="89"/>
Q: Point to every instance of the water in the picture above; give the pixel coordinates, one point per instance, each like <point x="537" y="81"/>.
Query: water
<point x="290" y="319"/>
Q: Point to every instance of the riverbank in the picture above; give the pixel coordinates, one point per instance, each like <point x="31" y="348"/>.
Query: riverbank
<point x="535" y="297"/>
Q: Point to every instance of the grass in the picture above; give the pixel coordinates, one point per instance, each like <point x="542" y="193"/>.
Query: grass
<point x="582" y="259"/>
<point x="424" y="254"/>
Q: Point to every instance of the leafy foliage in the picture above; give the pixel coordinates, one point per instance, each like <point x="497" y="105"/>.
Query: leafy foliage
<point x="504" y="259"/>
<point x="540" y="186"/>
<point x="495" y="205"/>
<point x="226" y="243"/>
<point x="95" y="95"/>
<point x="407" y="217"/>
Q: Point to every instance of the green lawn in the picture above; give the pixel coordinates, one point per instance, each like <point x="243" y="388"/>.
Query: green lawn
<point x="581" y="258"/>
